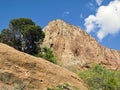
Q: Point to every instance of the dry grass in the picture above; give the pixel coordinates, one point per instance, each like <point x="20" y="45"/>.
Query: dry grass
<point x="32" y="73"/>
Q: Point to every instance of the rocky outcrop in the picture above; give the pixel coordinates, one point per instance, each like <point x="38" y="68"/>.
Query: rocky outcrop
<point x="30" y="73"/>
<point x="75" y="48"/>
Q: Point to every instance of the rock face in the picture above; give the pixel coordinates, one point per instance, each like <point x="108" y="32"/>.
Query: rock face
<point x="75" y="48"/>
<point x="32" y="73"/>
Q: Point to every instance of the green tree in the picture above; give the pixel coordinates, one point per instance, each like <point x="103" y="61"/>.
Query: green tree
<point x="6" y="37"/>
<point x="17" y="26"/>
<point x="23" y="35"/>
<point x="33" y="35"/>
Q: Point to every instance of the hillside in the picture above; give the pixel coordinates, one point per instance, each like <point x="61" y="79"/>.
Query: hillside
<point x="31" y="73"/>
<point x="76" y="49"/>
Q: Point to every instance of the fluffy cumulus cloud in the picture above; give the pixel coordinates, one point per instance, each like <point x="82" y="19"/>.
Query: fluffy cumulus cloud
<point x="99" y="2"/>
<point x="106" y="21"/>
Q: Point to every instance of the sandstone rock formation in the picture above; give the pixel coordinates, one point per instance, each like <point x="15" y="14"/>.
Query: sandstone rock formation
<point x="75" y="48"/>
<point x="36" y="73"/>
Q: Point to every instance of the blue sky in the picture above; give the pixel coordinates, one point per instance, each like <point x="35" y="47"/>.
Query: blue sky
<point x="82" y="13"/>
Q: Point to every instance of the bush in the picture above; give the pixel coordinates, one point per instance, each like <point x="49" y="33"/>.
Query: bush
<point x="99" y="78"/>
<point x="65" y="86"/>
<point x="5" y="77"/>
<point x="47" y="54"/>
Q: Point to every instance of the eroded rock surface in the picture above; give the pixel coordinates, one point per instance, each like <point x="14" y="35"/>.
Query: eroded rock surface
<point x="75" y="48"/>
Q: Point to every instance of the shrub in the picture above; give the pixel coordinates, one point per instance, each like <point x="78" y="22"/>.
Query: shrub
<point x="47" y="54"/>
<point x="99" y="78"/>
<point x="5" y="77"/>
<point x="65" y="86"/>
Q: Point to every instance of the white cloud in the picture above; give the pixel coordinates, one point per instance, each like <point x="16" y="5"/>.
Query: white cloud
<point x="89" y="23"/>
<point x="91" y="4"/>
<point x="65" y="13"/>
<point x="99" y="2"/>
<point x="81" y="15"/>
<point x="106" y="20"/>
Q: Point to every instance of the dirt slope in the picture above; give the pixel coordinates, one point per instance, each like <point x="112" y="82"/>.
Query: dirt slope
<point x="32" y="73"/>
<point x="76" y="49"/>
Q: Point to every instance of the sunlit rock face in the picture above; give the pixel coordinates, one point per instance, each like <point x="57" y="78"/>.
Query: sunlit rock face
<point x="75" y="48"/>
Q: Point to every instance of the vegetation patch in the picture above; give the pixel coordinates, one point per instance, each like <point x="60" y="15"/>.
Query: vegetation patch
<point x="65" y="86"/>
<point x="99" y="78"/>
<point x="6" y="77"/>
<point x="47" y="54"/>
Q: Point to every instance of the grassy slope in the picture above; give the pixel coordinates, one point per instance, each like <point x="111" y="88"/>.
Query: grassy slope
<point x="20" y="69"/>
